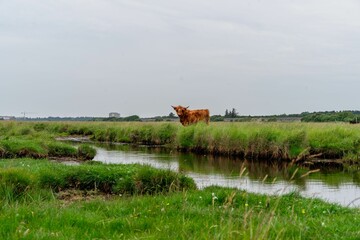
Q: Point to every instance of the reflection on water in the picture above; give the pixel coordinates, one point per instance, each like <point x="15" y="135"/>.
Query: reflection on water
<point x="253" y="176"/>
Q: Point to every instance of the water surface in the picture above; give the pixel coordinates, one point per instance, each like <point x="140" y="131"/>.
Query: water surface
<point x="332" y="185"/>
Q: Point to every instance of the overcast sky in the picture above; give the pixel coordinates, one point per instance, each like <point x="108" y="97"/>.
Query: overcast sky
<point x="92" y="57"/>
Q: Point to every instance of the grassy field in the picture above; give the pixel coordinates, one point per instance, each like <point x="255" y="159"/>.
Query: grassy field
<point x="41" y="199"/>
<point x="279" y="141"/>
<point x="47" y="200"/>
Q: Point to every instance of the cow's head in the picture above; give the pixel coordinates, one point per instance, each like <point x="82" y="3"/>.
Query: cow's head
<point x="180" y="110"/>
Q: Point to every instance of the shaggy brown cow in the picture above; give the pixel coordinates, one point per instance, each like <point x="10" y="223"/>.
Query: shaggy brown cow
<point x="188" y="117"/>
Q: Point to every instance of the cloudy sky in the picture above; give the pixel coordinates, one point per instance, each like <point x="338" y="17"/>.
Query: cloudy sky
<point x="92" y="57"/>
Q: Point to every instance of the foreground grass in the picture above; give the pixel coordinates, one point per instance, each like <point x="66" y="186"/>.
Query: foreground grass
<point x="280" y="141"/>
<point x="46" y="200"/>
<point x="213" y="213"/>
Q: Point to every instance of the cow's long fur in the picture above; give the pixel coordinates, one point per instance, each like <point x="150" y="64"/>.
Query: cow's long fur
<point x="188" y="117"/>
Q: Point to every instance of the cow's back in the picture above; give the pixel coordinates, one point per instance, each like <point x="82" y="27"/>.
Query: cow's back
<point x="195" y="116"/>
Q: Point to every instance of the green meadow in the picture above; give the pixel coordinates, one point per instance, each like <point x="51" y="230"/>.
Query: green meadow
<point x="49" y="200"/>
<point x="45" y="199"/>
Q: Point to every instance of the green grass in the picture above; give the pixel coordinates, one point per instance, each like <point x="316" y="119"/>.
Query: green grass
<point x="213" y="213"/>
<point x="46" y="200"/>
<point x="14" y="147"/>
<point x="278" y="141"/>
<point x="19" y="176"/>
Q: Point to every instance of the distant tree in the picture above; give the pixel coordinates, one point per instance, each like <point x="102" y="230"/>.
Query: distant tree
<point x="233" y="113"/>
<point x="172" y="115"/>
<point x="132" y="118"/>
<point x="216" y="118"/>
<point x="272" y="119"/>
<point x="330" y="116"/>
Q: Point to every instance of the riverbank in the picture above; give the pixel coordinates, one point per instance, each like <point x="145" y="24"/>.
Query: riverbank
<point x="297" y="142"/>
<point x="86" y="210"/>
<point x="17" y="147"/>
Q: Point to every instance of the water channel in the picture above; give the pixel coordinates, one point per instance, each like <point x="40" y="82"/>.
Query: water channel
<point x="332" y="185"/>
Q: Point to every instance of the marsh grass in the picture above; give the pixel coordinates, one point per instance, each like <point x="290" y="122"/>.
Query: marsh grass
<point x="60" y="149"/>
<point x="133" y="202"/>
<point x="212" y="213"/>
<point x="108" y="179"/>
<point x="86" y="152"/>
<point x="14" y="183"/>
<point x="15" y="147"/>
<point x="277" y="141"/>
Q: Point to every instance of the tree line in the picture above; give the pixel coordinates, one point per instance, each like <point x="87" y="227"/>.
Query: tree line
<point x="325" y="116"/>
<point x="229" y="115"/>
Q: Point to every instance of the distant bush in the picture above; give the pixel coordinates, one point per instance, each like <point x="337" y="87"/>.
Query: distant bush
<point x="332" y="116"/>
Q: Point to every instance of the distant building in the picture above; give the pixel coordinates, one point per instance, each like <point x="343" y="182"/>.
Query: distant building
<point x="7" y="118"/>
<point x="114" y="115"/>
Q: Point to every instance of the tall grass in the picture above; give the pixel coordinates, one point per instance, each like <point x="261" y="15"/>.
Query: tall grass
<point x="281" y="141"/>
<point x="16" y="147"/>
<point x="212" y="213"/>
<point x="19" y="176"/>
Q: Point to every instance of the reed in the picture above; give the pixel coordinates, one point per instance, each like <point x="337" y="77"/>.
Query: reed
<point x="278" y="141"/>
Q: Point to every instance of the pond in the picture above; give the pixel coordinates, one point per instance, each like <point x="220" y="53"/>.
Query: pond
<point x="333" y="185"/>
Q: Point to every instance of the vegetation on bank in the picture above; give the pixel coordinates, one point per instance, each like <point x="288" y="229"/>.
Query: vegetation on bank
<point x="18" y="177"/>
<point x="36" y="148"/>
<point x="43" y="200"/>
<point x="278" y="141"/>
<point x="32" y="140"/>
<point x="40" y="199"/>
